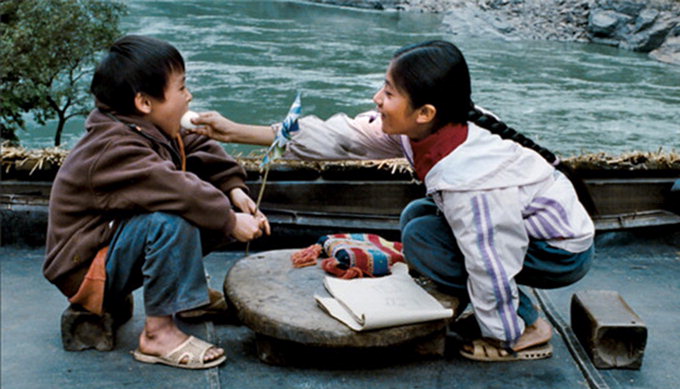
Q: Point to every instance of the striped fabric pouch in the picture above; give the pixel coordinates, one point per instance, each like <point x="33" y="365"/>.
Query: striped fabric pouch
<point x="352" y="255"/>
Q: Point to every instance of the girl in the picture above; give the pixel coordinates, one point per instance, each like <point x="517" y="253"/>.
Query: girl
<point x="498" y="212"/>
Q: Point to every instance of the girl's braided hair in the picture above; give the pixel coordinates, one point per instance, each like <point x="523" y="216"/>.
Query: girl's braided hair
<point x="435" y="72"/>
<point x="499" y="128"/>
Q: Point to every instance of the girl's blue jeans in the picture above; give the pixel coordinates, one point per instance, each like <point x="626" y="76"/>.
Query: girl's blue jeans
<point x="163" y="253"/>
<point x="430" y="248"/>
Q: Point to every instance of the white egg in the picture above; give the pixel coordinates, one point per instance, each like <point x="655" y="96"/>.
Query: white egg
<point x="186" y="120"/>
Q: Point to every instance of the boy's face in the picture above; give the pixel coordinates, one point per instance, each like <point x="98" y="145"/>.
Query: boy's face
<point x="167" y="114"/>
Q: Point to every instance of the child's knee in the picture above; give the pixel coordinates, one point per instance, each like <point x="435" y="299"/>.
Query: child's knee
<point x="415" y="209"/>
<point x="582" y="266"/>
<point x="408" y="233"/>
<point x="407" y="214"/>
<point x="416" y="235"/>
<point x="168" y="223"/>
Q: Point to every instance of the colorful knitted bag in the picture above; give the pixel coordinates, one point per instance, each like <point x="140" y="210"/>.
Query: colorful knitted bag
<point x="352" y="255"/>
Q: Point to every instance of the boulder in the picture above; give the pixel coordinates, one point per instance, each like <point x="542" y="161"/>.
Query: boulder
<point x="669" y="52"/>
<point x="648" y="39"/>
<point x="631" y="25"/>
<point x="638" y="25"/>
<point x="604" y="26"/>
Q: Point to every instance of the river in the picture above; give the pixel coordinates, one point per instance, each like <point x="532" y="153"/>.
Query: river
<point x="247" y="60"/>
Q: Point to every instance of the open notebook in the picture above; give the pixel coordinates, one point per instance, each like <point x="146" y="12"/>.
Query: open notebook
<point x="370" y="303"/>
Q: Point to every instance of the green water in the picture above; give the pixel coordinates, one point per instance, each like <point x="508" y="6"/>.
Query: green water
<point x="247" y="59"/>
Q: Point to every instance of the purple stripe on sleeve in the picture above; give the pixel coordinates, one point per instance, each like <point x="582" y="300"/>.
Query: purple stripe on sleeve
<point x="483" y="226"/>
<point x="549" y="228"/>
<point x="534" y="230"/>
<point x="555" y="226"/>
<point x="548" y="203"/>
<point x="503" y="274"/>
<point x="554" y="204"/>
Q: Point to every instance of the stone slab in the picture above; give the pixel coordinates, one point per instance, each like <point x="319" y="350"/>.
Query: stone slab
<point x="82" y="330"/>
<point x="277" y="302"/>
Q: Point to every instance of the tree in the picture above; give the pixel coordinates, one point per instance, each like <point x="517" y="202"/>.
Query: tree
<point x="47" y="47"/>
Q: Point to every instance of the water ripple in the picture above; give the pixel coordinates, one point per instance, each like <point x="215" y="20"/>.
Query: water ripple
<point x="247" y="59"/>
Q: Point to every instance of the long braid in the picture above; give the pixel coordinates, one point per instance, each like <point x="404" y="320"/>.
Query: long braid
<point x="499" y="128"/>
<point x="436" y="73"/>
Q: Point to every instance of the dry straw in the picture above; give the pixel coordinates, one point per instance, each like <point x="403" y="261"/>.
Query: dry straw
<point x="32" y="159"/>
<point x="50" y="158"/>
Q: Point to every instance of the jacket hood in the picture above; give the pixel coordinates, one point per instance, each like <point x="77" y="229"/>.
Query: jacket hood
<point x="485" y="161"/>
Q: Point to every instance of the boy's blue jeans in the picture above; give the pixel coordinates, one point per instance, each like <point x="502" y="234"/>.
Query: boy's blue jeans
<point x="430" y="248"/>
<point x="163" y="253"/>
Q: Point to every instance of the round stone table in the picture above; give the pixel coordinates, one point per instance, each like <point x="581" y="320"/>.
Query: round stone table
<point x="277" y="302"/>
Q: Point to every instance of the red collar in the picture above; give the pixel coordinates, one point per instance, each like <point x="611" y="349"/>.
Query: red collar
<point x="429" y="151"/>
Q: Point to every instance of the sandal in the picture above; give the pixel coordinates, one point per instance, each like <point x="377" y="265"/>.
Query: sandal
<point x="487" y="352"/>
<point x="193" y="349"/>
<point x="215" y="308"/>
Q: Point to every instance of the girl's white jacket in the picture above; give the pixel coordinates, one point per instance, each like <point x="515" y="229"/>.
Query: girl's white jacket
<point x="495" y="194"/>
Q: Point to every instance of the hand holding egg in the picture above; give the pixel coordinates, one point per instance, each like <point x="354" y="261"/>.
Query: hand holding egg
<point x="186" y="120"/>
<point x="215" y="126"/>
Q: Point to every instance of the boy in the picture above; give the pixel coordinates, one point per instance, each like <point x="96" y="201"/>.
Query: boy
<point x="138" y="202"/>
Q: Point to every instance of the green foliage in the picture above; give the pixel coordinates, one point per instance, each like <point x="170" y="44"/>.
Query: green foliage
<point x="47" y="48"/>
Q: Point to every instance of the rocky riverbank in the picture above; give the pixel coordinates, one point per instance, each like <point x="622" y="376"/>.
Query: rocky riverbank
<point x="651" y="26"/>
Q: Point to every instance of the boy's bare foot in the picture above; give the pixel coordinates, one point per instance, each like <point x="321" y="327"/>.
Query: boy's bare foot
<point x="161" y="335"/>
<point x="538" y="333"/>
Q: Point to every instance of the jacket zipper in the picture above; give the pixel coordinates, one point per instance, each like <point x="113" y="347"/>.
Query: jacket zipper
<point x="176" y="158"/>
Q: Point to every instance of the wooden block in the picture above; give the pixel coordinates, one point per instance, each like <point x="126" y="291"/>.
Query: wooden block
<point x="82" y="330"/>
<point x="613" y="335"/>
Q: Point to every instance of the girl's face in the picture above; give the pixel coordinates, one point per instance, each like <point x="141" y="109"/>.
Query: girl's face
<point x="167" y="114"/>
<point x="394" y="106"/>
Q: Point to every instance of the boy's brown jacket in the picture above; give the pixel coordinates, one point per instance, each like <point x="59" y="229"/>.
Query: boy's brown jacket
<point x="116" y="171"/>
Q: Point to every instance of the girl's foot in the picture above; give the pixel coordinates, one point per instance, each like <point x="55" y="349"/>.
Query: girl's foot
<point x="538" y="333"/>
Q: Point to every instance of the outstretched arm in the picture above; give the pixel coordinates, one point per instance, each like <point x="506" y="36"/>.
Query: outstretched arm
<point x="339" y="137"/>
<point x="216" y="126"/>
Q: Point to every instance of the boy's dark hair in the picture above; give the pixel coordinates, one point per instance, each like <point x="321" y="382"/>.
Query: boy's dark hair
<point x="134" y="64"/>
